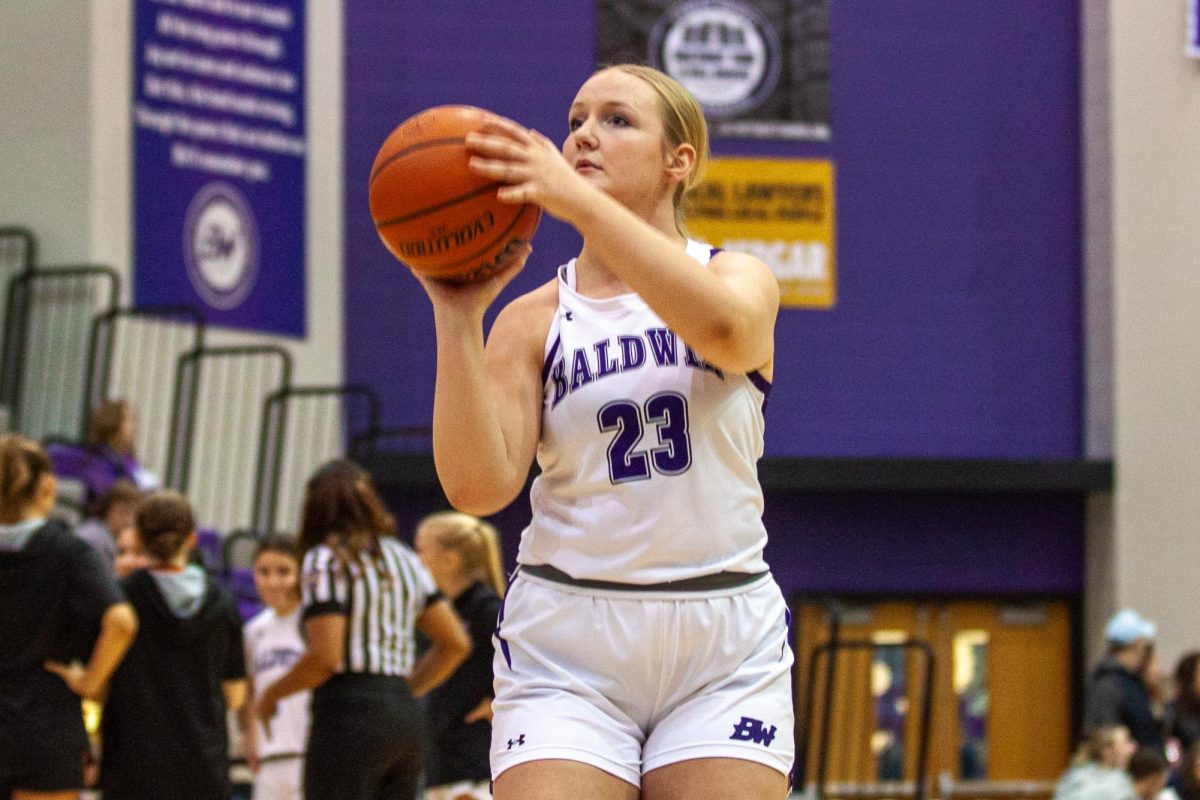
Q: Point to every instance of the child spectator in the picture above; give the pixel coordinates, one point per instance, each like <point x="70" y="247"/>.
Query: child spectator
<point x="112" y="513"/>
<point x="131" y="556"/>
<point x="1097" y="771"/>
<point x="463" y="555"/>
<point x="273" y="645"/>
<point x="49" y="581"/>
<point x="1149" y="770"/>
<point x="164" y="727"/>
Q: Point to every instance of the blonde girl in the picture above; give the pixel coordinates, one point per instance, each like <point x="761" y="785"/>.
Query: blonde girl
<point x="462" y="553"/>
<point x="643" y="646"/>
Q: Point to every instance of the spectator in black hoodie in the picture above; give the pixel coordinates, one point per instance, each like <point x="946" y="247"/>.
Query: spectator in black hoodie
<point x="52" y="585"/>
<point x="164" y="728"/>
<point x="1117" y="693"/>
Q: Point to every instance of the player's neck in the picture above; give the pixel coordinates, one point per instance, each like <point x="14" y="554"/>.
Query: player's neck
<point x="285" y="609"/>
<point x="454" y="587"/>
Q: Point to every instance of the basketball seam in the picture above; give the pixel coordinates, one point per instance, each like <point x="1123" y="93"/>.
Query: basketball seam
<point x="429" y="210"/>
<point x="412" y="149"/>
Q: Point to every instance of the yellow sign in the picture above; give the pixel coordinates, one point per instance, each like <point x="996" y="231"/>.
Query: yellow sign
<point x="778" y="210"/>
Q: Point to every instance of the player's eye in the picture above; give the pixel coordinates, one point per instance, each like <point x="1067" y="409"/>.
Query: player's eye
<point x="575" y="123"/>
<point x="619" y="121"/>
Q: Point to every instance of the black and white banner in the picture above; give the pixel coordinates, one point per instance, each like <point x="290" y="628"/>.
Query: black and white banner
<point x="760" y="69"/>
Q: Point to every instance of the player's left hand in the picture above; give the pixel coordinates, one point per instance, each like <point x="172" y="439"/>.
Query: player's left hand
<point x="265" y="710"/>
<point x="531" y="166"/>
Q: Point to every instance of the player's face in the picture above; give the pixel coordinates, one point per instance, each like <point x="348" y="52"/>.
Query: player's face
<point x="130" y="555"/>
<point x="276" y="577"/>
<point x="437" y="559"/>
<point x="616" y="138"/>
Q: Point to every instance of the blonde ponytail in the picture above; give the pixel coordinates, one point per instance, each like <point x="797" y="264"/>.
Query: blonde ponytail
<point x="476" y="541"/>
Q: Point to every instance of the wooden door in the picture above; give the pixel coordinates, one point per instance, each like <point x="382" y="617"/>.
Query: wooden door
<point x="1001" y="697"/>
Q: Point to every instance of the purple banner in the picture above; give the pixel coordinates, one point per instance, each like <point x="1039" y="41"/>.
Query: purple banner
<point x="219" y="157"/>
<point x="1193" y="28"/>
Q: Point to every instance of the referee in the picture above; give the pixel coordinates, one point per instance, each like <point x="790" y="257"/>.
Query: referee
<point x="364" y="593"/>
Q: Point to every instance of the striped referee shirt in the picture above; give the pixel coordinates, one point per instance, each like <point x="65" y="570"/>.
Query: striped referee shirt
<point x="381" y="595"/>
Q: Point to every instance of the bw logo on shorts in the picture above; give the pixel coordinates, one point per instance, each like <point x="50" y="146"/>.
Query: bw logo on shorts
<point x="753" y="730"/>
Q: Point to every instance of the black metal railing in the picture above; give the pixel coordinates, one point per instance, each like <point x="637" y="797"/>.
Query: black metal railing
<point x="218" y="401"/>
<point x="824" y="691"/>
<point x="47" y="330"/>
<point x="303" y="427"/>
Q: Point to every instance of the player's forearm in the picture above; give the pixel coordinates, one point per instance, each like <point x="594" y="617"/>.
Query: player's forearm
<point x="118" y="626"/>
<point x="309" y="672"/>
<point x="434" y="667"/>
<point x="469" y="448"/>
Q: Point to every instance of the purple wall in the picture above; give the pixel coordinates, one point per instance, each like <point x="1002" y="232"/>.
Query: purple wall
<point x="955" y="125"/>
<point x="957" y="330"/>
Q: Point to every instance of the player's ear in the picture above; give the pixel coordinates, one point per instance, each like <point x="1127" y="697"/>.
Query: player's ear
<point x="681" y="160"/>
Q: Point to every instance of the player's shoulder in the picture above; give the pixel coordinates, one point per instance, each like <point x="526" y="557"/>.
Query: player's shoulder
<point x="539" y="302"/>
<point x="527" y="318"/>
<point x="259" y="621"/>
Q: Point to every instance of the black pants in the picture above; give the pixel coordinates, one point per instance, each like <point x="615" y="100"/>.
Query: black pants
<point x="366" y="741"/>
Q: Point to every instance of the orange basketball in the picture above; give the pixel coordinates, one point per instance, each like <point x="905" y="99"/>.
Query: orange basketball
<point x="431" y="211"/>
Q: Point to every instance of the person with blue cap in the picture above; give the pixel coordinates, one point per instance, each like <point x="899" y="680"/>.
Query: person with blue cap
<point x="1117" y="693"/>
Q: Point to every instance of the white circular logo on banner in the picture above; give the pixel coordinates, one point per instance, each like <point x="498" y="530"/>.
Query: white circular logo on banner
<point x="724" y="51"/>
<point x="220" y="245"/>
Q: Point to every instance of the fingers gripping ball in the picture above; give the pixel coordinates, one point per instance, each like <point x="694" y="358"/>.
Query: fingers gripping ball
<point x="432" y="212"/>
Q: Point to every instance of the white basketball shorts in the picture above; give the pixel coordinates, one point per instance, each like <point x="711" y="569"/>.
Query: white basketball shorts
<point x="280" y="780"/>
<point x="632" y="681"/>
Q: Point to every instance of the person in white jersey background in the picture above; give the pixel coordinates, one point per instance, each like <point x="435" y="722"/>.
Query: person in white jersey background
<point x="642" y="648"/>
<point x="273" y="645"/>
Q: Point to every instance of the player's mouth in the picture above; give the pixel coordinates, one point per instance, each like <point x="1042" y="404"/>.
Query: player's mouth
<point x="585" y="166"/>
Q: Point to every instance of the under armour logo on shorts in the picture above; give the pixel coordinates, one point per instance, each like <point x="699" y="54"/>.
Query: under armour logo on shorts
<point x="520" y="740"/>
<point x="753" y="730"/>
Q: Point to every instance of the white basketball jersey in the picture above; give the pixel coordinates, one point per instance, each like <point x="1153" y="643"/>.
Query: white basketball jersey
<point x="273" y="645"/>
<point x="647" y="453"/>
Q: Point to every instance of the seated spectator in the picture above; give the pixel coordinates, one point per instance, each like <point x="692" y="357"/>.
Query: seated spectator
<point x="1097" y="771"/>
<point x="111" y="433"/>
<point x="1149" y="770"/>
<point x="1117" y="693"/>
<point x="164" y="726"/>
<point x="1183" y="713"/>
<point x="112" y="513"/>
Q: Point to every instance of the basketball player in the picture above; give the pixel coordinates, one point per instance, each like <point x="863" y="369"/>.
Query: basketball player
<point x="642" y="648"/>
